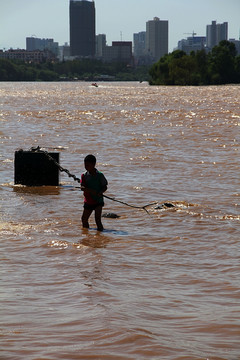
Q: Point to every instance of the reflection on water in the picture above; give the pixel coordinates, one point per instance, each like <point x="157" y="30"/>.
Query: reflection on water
<point x="161" y="284"/>
<point x="37" y="190"/>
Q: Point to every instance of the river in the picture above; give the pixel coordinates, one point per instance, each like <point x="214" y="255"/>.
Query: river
<point x="157" y="284"/>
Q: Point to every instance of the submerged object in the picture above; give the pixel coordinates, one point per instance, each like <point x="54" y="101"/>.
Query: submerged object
<point x="35" y="169"/>
<point x="165" y="205"/>
<point x="110" y="215"/>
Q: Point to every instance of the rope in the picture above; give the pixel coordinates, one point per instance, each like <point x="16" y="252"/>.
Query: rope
<point x="50" y="158"/>
<point x="38" y="149"/>
<point x="132" y="206"/>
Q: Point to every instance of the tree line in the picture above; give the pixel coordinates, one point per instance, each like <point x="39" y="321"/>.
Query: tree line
<point x="15" y="70"/>
<point x="219" y="66"/>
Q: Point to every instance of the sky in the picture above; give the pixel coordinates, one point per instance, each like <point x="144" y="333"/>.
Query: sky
<point x="118" y="19"/>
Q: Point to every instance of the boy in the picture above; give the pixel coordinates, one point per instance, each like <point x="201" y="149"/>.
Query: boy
<point x="93" y="185"/>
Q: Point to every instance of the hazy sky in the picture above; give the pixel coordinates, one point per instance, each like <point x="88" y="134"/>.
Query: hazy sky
<point x="50" y="19"/>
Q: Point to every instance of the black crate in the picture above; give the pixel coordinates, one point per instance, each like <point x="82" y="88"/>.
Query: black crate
<point x="35" y="169"/>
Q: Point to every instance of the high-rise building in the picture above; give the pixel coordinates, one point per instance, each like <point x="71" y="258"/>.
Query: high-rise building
<point x="33" y="44"/>
<point x="120" y="51"/>
<point x="237" y="44"/>
<point x="82" y="28"/>
<point x="101" y="43"/>
<point x="216" y="33"/>
<point x="139" y="40"/>
<point x="157" y="38"/>
<point x="64" y="52"/>
<point x="192" y="43"/>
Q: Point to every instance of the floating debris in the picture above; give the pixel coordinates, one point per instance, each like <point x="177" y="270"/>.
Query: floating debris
<point x="110" y="215"/>
<point x="165" y="205"/>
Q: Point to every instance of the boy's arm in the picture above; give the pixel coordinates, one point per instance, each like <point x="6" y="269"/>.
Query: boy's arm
<point x="104" y="188"/>
<point x="87" y="190"/>
<point x="104" y="184"/>
<point x="83" y="185"/>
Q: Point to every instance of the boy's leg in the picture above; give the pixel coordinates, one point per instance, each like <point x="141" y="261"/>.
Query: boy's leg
<point x="85" y="216"/>
<point x="98" y="216"/>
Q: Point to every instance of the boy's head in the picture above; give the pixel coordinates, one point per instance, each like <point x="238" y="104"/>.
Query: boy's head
<point x="90" y="162"/>
<point x="90" y="159"/>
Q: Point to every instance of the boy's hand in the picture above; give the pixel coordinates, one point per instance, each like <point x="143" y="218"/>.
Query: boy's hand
<point x="90" y="191"/>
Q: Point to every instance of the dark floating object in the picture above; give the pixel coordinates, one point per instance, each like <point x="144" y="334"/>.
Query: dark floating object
<point x="35" y="169"/>
<point x="110" y="215"/>
<point x="168" y="205"/>
<point x="165" y="206"/>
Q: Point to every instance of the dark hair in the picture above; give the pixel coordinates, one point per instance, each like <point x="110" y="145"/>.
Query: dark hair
<point x="90" y="159"/>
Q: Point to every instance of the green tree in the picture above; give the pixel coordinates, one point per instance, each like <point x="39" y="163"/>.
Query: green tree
<point x="47" y="75"/>
<point x="202" y="67"/>
<point x="220" y="66"/>
<point x="183" y="71"/>
<point x="237" y="69"/>
<point x="8" y="70"/>
<point x="163" y="72"/>
<point x="222" y="63"/>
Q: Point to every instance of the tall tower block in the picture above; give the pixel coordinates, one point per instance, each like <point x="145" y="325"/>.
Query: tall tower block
<point x="82" y="28"/>
<point x="157" y="38"/>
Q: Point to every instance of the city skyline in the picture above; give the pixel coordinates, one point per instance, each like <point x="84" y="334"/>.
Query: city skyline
<point x="24" y="18"/>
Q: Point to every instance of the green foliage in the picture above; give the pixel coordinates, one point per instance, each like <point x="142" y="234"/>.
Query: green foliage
<point x="222" y="63"/>
<point x="8" y="70"/>
<point x="220" y="66"/>
<point x="17" y="71"/>
<point x="14" y="70"/>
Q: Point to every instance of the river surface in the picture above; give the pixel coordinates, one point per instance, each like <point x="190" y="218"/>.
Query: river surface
<point x="158" y="284"/>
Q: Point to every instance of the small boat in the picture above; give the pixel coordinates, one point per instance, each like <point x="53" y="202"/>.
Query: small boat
<point x="95" y="84"/>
